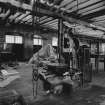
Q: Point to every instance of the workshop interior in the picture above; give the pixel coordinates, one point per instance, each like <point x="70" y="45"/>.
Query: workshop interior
<point x="52" y="52"/>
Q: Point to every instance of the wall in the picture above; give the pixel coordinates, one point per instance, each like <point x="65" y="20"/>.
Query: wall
<point x="26" y="50"/>
<point x="36" y="48"/>
<point x="28" y="46"/>
<point x="18" y="50"/>
<point x="49" y="38"/>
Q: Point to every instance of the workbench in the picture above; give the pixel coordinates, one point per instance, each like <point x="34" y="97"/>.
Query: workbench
<point x="53" y="80"/>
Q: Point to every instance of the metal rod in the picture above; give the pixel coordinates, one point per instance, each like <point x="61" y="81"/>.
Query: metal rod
<point x="60" y="38"/>
<point x="35" y="68"/>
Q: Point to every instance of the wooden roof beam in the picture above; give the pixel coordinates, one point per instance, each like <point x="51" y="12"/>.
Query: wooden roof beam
<point x="58" y="2"/>
<point x="64" y="14"/>
<point x="22" y="17"/>
<point x="46" y="20"/>
<point x="24" y="7"/>
<point x="94" y="14"/>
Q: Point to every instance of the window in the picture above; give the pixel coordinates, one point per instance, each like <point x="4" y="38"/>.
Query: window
<point x="9" y="39"/>
<point x="102" y="48"/>
<point x="13" y="39"/>
<point x="37" y="41"/>
<point x="54" y="41"/>
<point x="18" y="39"/>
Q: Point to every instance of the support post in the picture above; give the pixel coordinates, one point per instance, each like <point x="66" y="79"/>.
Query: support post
<point x="28" y="46"/>
<point x="97" y="58"/>
<point x="104" y="64"/>
<point x="60" y="38"/>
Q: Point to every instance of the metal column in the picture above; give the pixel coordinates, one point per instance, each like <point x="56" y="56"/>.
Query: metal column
<point x="97" y="58"/>
<point x="60" y="38"/>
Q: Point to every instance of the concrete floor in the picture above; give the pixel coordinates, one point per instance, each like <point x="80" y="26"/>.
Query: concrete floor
<point x="23" y="85"/>
<point x="94" y="95"/>
<point x="99" y="79"/>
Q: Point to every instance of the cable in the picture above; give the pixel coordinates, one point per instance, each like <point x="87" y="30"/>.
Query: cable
<point x="38" y="31"/>
<point x="33" y="67"/>
<point x="35" y="74"/>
